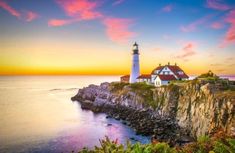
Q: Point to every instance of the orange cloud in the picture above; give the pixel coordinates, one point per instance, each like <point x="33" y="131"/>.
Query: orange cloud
<point x="9" y="9"/>
<point x="167" y="8"/>
<point x="83" y="9"/>
<point x="217" y="5"/>
<point x="117" y="29"/>
<point x="187" y="51"/>
<point x="30" y="16"/>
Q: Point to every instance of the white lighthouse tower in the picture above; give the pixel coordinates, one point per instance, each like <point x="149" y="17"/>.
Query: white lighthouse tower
<point x="135" y="69"/>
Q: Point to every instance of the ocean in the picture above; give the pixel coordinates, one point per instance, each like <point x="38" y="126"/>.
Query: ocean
<point x="37" y="115"/>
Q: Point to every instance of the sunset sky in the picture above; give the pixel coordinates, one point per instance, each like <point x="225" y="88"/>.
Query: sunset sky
<point x="96" y="36"/>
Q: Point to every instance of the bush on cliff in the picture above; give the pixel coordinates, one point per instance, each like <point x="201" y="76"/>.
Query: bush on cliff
<point x="141" y="89"/>
<point x="219" y="143"/>
<point x="209" y="76"/>
<point x="144" y="90"/>
<point x="117" y="86"/>
<point x="141" y="86"/>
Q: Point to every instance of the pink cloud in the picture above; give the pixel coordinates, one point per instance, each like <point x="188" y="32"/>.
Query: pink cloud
<point x="230" y="34"/>
<point x="187" y="51"/>
<point x="167" y="8"/>
<point x="193" y="26"/>
<point x="117" y="29"/>
<point x="9" y="9"/>
<point x="83" y="9"/>
<point x="77" y="10"/>
<point x="166" y="37"/>
<point x="217" y="25"/>
<point x="60" y="22"/>
<point x="23" y="15"/>
<point x="217" y="5"/>
<point x="117" y="2"/>
<point x="30" y="16"/>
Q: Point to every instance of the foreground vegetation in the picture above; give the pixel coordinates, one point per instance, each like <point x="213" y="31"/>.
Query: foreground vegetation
<point x="219" y="143"/>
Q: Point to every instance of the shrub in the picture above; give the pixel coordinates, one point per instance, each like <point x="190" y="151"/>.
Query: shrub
<point x="117" y="86"/>
<point x="141" y="86"/>
<point x="219" y="143"/>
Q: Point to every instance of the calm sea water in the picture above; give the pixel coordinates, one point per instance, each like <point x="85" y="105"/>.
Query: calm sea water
<point x="37" y="115"/>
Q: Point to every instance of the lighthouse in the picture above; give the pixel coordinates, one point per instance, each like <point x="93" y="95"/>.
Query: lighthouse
<point x="135" y="68"/>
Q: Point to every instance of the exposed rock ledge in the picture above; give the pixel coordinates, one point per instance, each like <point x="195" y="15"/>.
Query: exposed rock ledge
<point x="167" y="113"/>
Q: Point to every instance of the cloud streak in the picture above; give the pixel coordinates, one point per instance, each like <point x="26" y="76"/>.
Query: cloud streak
<point x="80" y="9"/>
<point x="167" y="8"/>
<point x="117" y="2"/>
<point x="230" y="34"/>
<point x="193" y="26"/>
<point x="117" y="29"/>
<point x="60" y="22"/>
<point x="25" y="15"/>
<point x="30" y="16"/>
<point x="9" y="9"/>
<point x="187" y="51"/>
<point x="217" y="5"/>
<point x="76" y="10"/>
<point x="217" y="25"/>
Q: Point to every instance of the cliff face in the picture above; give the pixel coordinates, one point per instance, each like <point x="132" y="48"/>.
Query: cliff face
<point x="198" y="107"/>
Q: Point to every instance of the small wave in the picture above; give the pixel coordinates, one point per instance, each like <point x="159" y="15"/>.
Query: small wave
<point x="63" y="89"/>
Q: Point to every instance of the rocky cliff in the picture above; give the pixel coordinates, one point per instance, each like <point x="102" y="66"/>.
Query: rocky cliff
<point x="199" y="107"/>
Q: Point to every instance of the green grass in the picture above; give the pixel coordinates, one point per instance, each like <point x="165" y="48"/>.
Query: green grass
<point x="204" y="144"/>
<point x="209" y="75"/>
<point x="141" y="89"/>
<point x="145" y="91"/>
<point x="141" y="86"/>
<point x="117" y="86"/>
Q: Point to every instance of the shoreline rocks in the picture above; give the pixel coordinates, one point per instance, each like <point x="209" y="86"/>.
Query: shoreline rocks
<point x="143" y="121"/>
<point x="173" y="113"/>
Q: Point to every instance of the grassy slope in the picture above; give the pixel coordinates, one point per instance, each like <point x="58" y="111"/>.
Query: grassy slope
<point x="219" y="143"/>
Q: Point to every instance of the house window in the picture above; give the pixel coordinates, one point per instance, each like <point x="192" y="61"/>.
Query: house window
<point x="180" y="72"/>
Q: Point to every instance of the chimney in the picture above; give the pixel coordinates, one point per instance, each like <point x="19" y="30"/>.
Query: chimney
<point x="168" y="63"/>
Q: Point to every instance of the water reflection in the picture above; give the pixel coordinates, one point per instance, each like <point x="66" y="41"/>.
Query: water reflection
<point x="37" y="118"/>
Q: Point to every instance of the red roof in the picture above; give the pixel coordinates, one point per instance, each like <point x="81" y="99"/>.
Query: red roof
<point x="157" y="68"/>
<point x="167" y="77"/>
<point x="144" y="76"/>
<point x="176" y="69"/>
<point x="125" y="76"/>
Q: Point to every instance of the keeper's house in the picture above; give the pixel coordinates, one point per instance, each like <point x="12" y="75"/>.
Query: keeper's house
<point x="161" y="75"/>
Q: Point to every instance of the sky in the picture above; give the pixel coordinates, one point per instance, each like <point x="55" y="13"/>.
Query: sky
<point x="96" y="36"/>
